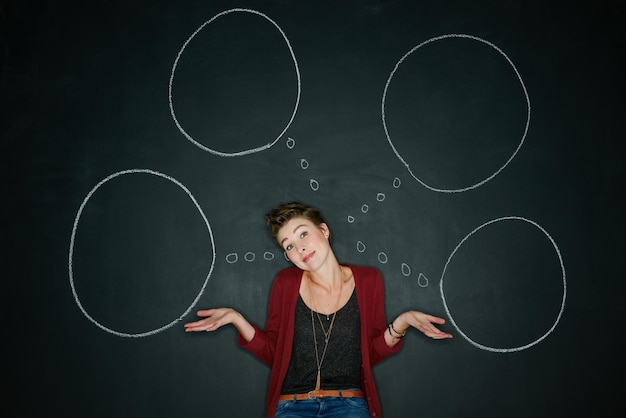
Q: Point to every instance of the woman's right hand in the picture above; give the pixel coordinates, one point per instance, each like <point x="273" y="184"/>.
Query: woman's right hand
<point x="213" y="319"/>
<point x="216" y="318"/>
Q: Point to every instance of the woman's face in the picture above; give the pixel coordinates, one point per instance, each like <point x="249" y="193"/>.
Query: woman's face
<point x="305" y="243"/>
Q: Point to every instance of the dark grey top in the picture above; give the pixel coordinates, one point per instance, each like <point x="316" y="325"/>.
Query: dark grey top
<point x="341" y="367"/>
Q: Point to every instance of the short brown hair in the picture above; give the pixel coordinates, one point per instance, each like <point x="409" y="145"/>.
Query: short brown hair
<point x="279" y="216"/>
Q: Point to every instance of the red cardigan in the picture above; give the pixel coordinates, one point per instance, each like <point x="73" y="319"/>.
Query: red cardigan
<point x="273" y="345"/>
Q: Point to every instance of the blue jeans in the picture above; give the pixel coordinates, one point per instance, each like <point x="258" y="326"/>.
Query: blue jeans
<point x="323" y="407"/>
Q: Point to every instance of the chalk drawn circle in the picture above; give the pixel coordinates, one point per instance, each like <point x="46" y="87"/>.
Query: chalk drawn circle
<point x="73" y="238"/>
<point x="268" y="255"/>
<point x="249" y="256"/>
<point x="173" y="73"/>
<point x="402" y="159"/>
<point x="562" y="307"/>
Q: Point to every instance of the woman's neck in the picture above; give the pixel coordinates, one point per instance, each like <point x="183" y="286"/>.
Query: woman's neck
<point x="329" y="278"/>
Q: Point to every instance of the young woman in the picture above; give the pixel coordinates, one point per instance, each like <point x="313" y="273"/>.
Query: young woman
<point x="326" y="325"/>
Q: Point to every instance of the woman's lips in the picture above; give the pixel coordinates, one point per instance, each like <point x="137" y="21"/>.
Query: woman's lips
<point x="308" y="257"/>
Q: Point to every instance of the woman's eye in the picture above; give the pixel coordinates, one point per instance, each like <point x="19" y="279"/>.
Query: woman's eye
<point x="289" y="247"/>
<point x="304" y="234"/>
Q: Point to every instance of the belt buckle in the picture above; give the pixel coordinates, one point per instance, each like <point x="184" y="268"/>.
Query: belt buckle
<point x="317" y="393"/>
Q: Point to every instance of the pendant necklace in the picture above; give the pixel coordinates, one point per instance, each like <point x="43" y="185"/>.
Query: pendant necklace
<point x="326" y="333"/>
<point x="326" y="339"/>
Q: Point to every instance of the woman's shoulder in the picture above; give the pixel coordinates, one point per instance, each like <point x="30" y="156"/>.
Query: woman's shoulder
<point x="368" y="282"/>
<point x="364" y="272"/>
<point x="286" y="283"/>
<point x="288" y="273"/>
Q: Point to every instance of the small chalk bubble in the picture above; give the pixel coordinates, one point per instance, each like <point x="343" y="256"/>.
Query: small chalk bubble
<point x="382" y="258"/>
<point x="268" y="255"/>
<point x="360" y="246"/>
<point x="406" y="270"/>
<point x="290" y="143"/>
<point x="232" y="258"/>
<point x="304" y="164"/>
<point x="422" y="280"/>
<point x="380" y="197"/>
<point x="350" y="219"/>
<point x="314" y="184"/>
<point x="249" y="257"/>
<point x="365" y="208"/>
<point x="396" y="183"/>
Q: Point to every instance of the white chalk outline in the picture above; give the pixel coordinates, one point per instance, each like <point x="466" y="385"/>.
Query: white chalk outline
<point x="422" y="280"/>
<point x="249" y="256"/>
<point x="438" y="38"/>
<point x="558" y="318"/>
<point x="71" y="253"/>
<point x="252" y="150"/>
<point x="405" y="269"/>
<point x="268" y="255"/>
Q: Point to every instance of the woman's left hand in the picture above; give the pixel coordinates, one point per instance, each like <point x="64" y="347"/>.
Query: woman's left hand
<point x="422" y="322"/>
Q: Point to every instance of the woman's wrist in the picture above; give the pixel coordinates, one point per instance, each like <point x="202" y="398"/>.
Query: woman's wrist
<point x="397" y="328"/>
<point x="245" y="329"/>
<point x="394" y="332"/>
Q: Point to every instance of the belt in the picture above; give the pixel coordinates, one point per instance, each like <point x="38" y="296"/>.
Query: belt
<point x="314" y="394"/>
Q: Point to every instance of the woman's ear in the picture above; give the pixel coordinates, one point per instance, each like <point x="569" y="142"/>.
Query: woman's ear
<point x="325" y="230"/>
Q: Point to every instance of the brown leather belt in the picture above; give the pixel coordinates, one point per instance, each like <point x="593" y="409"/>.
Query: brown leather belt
<point x="314" y="394"/>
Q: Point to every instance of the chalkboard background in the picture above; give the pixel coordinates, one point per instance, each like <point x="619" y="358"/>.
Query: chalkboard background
<point x="469" y="150"/>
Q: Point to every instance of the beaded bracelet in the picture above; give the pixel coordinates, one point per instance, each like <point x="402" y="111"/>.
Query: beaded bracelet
<point x="391" y="328"/>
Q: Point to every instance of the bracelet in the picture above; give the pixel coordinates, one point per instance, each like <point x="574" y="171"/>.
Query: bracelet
<point x="391" y="328"/>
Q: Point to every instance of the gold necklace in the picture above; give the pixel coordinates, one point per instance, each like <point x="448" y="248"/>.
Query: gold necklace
<point x="326" y="333"/>
<point x="327" y="338"/>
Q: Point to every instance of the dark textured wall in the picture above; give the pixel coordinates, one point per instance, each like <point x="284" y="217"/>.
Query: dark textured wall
<point x="469" y="150"/>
